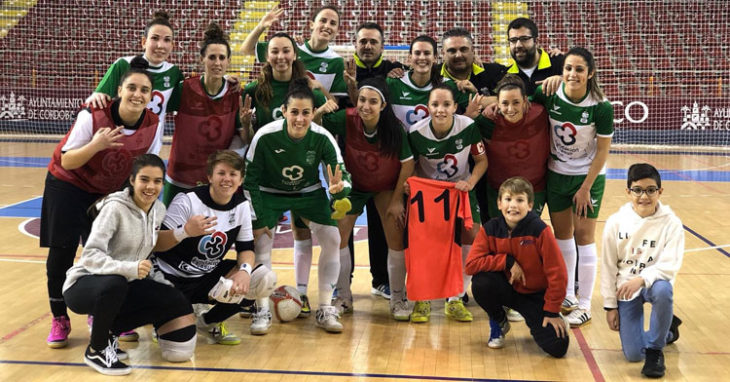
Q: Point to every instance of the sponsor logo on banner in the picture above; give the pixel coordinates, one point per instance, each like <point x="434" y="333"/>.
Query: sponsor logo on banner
<point x="19" y="106"/>
<point x="695" y="118"/>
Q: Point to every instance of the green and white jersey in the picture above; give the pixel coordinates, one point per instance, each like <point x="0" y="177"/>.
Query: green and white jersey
<point x="445" y="158"/>
<point x="266" y="114"/>
<point x="575" y="127"/>
<point x="326" y="66"/>
<point x="410" y="102"/>
<point x="277" y="164"/>
<point x="165" y="78"/>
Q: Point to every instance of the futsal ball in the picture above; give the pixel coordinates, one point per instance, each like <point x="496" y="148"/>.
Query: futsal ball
<point x="286" y="303"/>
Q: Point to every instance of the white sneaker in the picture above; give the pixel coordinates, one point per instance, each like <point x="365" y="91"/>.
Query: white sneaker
<point x="400" y="310"/>
<point x="513" y="315"/>
<point x="569" y="304"/>
<point x="578" y="318"/>
<point x="260" y="322"/>
<point x="328" y="319"/>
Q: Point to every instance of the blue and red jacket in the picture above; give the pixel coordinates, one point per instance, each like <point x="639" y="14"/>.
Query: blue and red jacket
<point x="532" y="245"/>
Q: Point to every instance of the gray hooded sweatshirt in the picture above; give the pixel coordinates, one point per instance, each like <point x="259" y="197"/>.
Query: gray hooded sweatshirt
<point x="121" y="236"/>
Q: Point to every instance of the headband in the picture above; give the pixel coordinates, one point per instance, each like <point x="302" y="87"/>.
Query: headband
<point x="382" y="97"/>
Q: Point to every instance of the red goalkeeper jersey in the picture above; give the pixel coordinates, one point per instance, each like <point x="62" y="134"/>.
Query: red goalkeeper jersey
<point x="437" y="212"/>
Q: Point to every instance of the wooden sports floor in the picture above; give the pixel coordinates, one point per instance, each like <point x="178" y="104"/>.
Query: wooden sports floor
<point x="373" y="347"/>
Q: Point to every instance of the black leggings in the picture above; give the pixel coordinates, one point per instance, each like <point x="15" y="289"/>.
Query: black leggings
<point x="58" y="262"/>
<point x="119" y="306"/>
<point x="491" y="291"/>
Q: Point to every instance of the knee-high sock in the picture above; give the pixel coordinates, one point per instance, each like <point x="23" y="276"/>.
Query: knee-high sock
<point x="262" y="250"/>
<point x="586" y="274"/>
<point x="343" y="281"/>
<point x="329" y="260"/>
<point x="570" y="255"/>
<point x="302" y="263"/>
<point x="397" y="274"/>
<point x="467" y="278"/>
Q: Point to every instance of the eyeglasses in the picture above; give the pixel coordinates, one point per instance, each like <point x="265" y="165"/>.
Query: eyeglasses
<point x="637" y="191"/>
<point x="513" y="40"/>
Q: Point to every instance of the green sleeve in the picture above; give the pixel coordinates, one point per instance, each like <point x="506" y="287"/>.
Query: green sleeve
<point x="261" y="48"/>
<point x="461" y="98"/>
<point x="335" y="122"/>
<point x="603" y="117"/>
<point x="333" y="158"/>
<point x="405" y="147"/>
<point x="174" y="103"/>
<point x="474" y="134"/>
<point x="485" y="125"/>
<point x="254" y="168"/>
<point x="319" y="98"/>
<point x="110" y="82"/>
<point x="538" y="96"/>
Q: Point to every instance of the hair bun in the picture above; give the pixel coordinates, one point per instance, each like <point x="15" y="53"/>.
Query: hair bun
<point x="214" y="32"/>
<point x="163" y="15"/>
<point x="139" y="63"/>
<point x="301" y="82"/>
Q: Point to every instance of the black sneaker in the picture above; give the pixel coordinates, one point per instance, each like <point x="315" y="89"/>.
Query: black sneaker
<point x="247" y="311"/>
<point x="674" y="329"/>
<point x="654" y="364"/>
<point x="121" y="354"/>
<point x="106" y="361"/>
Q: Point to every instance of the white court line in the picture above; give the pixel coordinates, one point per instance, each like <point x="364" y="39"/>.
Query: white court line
<point x="21" y="228"/>
<point x="707" y="248"/>
<point x="43" y="262"/>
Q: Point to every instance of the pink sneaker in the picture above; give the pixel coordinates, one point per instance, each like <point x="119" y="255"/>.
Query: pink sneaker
<point x="60" y="328"/>
<point x="129" y="336"/>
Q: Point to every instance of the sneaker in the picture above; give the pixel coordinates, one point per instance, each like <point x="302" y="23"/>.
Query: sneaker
<point x="306" y="308"/>
<point x="382" y="290"/>
<point x="129" y="336"/>
<point x="340" y="208"/>
<point x="400" y="310"/>
<point x="121" y="354"/>
<point x="569" y="305"/>
<point x="217" y="333"/>
<point x="653" y="364"/>
<point x="247" y="311"/>
<point x="456" y="310"/>
<point x="421" y="311"/>
<point x="513" y="315"/>
<point x="106" y="361"/>
<point x="260" y="323"/>
<point x="342" y="304"/>
<point x="498" y="331"/>
<point x="578" y="318"/>
<point x="60" y="328"/>
<point x="674" y="329"/>
<point x="328" y="319"/>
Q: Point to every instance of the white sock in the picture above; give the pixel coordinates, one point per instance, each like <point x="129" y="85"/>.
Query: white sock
<point x="343" y="281"/>
<point x="262" y="249"/>
<point x="329" y="260"/>
<point x="397" y="274"/>
<point x="586" y="274"/>
<point x="262" y="304"/>
<point x="467" y="278"/>
<point x="302" y="263"/>
<point x="570" y="255"/>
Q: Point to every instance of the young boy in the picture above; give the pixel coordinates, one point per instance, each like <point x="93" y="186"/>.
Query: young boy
<point x="643" y="245"/>
<point x="516" y="263"/>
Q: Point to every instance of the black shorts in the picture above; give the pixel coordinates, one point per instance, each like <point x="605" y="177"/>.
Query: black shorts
<point x="196" y="289"/>
<point x="63" y="214"/>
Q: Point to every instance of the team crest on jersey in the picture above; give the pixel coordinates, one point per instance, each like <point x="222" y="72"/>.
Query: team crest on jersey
<point x="459" y="144"/>
<point x="418" y="113"/>
<point x="323" y="67"/>
<point x="584" y="117"/>
<point x="566" y="132"/>
<point x="292" y="173"/>
<point x="166" y="80"/>
<point x="277" y="114"/>
<point x="213" y="246"/>
<point x="309" y="158"/>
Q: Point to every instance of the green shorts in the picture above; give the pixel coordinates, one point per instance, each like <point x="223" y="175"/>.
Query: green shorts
<point x="313" y="206"/>
<point x="537" y="205"/>
<point x="476" y="216"/>
<point x="562" y="188"/>
<point x="359" y="199"/>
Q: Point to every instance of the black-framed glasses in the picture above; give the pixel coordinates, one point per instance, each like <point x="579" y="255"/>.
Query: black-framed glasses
<point x="650" y="191"/>
<point x="523" y="39"/>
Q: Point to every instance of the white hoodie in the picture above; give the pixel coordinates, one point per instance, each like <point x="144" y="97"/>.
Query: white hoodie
<point x="121" y="236"/>
<point x="652" y="247"/>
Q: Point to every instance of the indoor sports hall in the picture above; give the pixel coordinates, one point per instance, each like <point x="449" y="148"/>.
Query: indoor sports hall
<point x="664" y="65"/>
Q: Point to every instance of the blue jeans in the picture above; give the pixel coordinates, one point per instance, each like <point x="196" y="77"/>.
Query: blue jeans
<point x="631" y="320"/>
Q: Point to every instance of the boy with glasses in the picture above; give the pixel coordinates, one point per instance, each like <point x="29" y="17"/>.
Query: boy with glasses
<point x="643" y="245"/>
